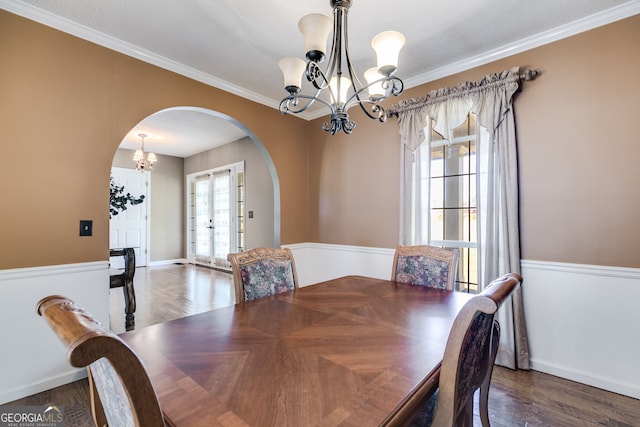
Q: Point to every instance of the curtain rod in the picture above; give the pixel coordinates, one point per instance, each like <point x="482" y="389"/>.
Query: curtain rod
<point x="527" y="75"/>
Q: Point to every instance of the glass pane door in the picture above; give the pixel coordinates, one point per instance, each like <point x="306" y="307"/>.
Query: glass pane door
<point x="203" y="221"/>
<point x="221" y="218"/>
<point x="216" y="215"/>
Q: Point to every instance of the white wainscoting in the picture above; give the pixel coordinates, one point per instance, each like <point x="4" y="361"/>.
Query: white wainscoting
<point x="317" y="262"/>
<point x="32" y="358"/>
<point x="583" y="321"/>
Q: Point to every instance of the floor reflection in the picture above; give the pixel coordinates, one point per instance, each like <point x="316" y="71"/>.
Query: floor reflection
<point x="172" y="291"/>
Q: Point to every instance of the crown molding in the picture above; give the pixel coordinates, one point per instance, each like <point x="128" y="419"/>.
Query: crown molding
<point x="70" y="27"/>
<point x="578" y="26"/>
<point x="41" y="16"/>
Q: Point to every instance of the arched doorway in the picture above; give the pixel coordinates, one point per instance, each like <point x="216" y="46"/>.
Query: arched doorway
<point x="200" y="289"/>
<point x="175" y="134"/>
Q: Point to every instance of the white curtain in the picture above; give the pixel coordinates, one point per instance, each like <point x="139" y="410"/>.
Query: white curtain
<point x="491" y="99"/>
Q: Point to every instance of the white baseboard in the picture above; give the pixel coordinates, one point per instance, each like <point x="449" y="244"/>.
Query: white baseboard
<point x="37" y="386"/>
<point x="168" y="261"/>
<point x="618" y="386"/>
<point x="33" y="359"/>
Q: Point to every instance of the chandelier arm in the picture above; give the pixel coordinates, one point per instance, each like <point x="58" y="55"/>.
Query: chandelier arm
<point x="290" y="103"/>
<point x="356" y="99"/>
<point x="316" y="76"/>
<point x="392" y="85"/>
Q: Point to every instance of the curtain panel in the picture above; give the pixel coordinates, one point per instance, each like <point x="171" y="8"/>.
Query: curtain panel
<point x="491" y="99"/>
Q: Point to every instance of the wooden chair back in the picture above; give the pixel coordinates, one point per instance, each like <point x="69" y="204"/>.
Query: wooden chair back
<point x="262" y="272"/>
<point x="426" y="266"/>
<point x="470" y="353"/>
<point x="120" y="389"/>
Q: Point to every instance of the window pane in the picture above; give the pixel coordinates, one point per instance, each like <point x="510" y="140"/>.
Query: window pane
<point x="470" y="158"/>
<point x="463" y="263"/>
<point x="454" y="224"/>
<point x="437" y="162"/>
<point x="473" y="265"/>
<point x="454" y="188"/>
<point x="437" y="224"/>
<point x="436" y="192"/>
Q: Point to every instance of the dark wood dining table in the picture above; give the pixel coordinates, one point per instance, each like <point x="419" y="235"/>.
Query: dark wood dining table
<point x="353" y="351"/>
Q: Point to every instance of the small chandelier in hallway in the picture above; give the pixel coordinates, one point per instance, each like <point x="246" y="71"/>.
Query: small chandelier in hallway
<point x="142" y="163"/>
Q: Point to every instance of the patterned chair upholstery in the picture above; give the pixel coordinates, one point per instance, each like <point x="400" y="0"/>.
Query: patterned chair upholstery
<point x="426" y="266"/>
<point x="262" y="272"/>
<point x="121" y="393"/>
<point x="468" y="360"/>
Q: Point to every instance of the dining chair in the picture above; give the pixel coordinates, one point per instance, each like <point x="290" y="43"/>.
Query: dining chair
<point x="121" y="393"/>
<point x="261" y="272"/>
<point x="468" y="360"/>
<point x="426" y="266"/>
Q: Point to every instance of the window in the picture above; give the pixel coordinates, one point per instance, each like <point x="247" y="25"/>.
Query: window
<point x="448" y="202"/>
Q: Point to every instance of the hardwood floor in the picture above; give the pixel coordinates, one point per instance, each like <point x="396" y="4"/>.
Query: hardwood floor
<point x="172" y="291"/>
<point x="517" y="398"/>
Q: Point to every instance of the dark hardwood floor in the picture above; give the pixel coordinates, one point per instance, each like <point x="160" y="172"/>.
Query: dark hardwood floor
<point x="172" y="291"/>
<point x="517" y="398"/>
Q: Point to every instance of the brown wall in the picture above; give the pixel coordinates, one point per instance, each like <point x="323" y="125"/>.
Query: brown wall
<point x="578" y="153"/>
<point x="66" y="105"/>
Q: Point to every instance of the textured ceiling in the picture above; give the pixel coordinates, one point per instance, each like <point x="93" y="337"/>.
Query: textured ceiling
<point x="236" y="44"/>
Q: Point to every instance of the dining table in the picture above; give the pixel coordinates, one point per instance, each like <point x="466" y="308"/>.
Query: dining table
<point x="352" y="351"/>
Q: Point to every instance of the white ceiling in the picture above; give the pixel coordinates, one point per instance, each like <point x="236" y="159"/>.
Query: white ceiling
<point x="236" y="44"/>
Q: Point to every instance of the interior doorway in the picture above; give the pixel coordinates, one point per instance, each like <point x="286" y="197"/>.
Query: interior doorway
<point x="130" y="228"/>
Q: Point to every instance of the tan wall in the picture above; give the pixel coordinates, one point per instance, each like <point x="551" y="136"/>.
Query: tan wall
<point x="66" y="105"/>
<point x="578" y="156"/>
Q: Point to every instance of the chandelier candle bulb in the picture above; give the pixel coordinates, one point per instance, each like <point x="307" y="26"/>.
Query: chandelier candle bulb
<point x="292" y="70"/>
<point x="339" y="88"/>
<point x="387" y="46"/>
<point x="374" y="78"/>
<point x="315" y="29"/>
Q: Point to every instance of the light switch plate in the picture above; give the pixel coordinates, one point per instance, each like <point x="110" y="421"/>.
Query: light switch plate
<point x="86" y="227"/>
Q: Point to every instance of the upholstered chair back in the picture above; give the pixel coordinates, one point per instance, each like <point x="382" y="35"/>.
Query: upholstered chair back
<point x="262" y="272"/>
<point x="426" y="266"/>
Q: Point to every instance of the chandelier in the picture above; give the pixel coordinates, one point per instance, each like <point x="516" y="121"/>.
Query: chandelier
<point x="143" y="164"/>
<point x="338" y="84"/>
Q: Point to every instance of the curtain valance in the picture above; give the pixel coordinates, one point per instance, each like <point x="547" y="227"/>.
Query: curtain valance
<point x="488" y="98"/>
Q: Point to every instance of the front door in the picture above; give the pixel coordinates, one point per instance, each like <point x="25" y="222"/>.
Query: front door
<point x="129" y="228"/>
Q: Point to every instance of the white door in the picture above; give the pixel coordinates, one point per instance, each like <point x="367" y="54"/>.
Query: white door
<point x="129" y="229"/>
